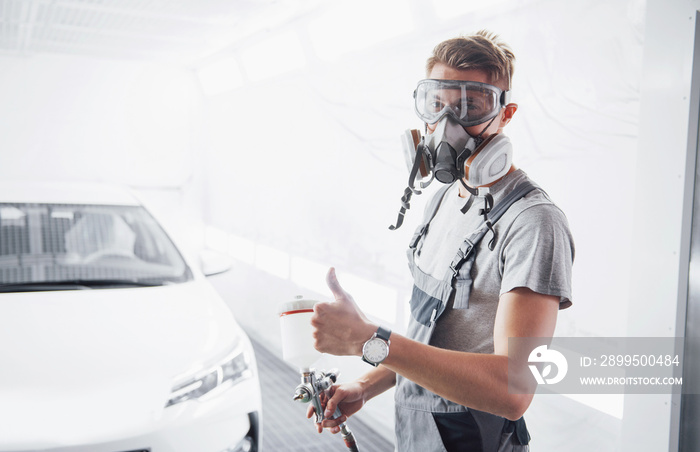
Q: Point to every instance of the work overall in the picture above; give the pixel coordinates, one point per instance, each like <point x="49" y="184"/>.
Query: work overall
<point x="424" y="420"/>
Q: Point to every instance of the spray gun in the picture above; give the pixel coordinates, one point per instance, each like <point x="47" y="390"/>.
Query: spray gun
<point x="312" y="385"/>
<point x="298" y="349"/>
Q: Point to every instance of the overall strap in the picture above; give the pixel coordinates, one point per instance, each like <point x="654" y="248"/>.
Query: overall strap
<point x="518" y="192"/>
<point x="473" y="239"/>
<point x="429" y="215"/>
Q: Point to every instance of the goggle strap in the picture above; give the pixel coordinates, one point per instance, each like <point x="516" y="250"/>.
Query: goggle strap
<point x="505" y="98"/>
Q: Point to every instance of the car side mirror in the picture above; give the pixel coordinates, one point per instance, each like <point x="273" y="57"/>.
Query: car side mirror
<point x="212" y="262"/>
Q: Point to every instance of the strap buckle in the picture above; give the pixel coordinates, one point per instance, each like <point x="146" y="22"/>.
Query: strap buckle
<point x="462" y="253"/>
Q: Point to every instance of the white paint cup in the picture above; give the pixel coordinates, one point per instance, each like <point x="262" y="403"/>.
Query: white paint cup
<point x="297" y="341"/>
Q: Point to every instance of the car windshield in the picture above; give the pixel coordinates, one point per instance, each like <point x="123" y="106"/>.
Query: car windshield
<point x="57" y="246"/>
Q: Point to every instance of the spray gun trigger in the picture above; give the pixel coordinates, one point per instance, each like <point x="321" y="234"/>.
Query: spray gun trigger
<point x="332" y="375"/>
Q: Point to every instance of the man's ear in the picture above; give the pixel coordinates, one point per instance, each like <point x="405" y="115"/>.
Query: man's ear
<point x="508" y="114"/>
<point x="510" y="111"/>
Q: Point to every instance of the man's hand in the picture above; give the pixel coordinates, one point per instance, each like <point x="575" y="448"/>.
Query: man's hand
<point x="349" y="397"/>
<point x="339" y="327"/>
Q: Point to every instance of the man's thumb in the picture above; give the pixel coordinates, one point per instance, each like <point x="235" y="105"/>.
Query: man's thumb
<point x="334" y="285"/>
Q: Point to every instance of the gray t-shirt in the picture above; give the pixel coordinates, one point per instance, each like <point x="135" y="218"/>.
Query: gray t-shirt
<point x="533" y="249"/>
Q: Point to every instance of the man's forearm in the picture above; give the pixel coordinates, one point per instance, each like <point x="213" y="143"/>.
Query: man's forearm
<point x="479" y="381"/>
<point x="376" y="381"/>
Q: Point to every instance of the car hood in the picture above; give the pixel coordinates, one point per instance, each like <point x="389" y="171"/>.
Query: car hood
<point x="77" y="363"/>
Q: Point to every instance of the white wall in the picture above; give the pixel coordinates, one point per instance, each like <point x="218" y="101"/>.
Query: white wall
<point x="76" y="118"/>
<point x="70" y="117"/>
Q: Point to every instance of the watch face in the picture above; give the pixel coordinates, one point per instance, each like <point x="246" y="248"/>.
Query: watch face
<point x="375" y="350"/>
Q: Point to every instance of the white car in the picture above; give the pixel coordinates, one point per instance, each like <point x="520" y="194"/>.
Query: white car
<point x="109" y="340"/>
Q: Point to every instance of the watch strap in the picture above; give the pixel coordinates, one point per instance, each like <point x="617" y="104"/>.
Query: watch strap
<point x="369" y="362"/>
<point x="383" y="333"/>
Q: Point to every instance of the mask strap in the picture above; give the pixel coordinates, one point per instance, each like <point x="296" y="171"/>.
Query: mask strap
<point x="405" y="205"/>
<point x="408" y="192"/>
<point x="471" y="190"/>
<point x="478" y="137"/>
<point x="488" y="205"/>
<point x="416" y="167"/>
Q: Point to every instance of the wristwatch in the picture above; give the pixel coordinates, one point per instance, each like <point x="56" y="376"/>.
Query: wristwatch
<point x="376" y="349"/>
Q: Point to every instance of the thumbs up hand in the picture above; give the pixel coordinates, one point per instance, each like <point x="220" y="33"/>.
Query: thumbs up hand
<point x="340" y="327"/>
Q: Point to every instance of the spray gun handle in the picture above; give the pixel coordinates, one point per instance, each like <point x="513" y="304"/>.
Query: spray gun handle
<point x="325" y="382"/>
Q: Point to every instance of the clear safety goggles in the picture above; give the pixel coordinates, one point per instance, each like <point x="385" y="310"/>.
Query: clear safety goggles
<point x="469" y="103"/>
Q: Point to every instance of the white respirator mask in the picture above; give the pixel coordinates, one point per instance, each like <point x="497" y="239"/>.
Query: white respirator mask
<point x="449" y="153"/>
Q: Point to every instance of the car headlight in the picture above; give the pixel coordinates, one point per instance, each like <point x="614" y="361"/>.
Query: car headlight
<point x="222" y="374"/>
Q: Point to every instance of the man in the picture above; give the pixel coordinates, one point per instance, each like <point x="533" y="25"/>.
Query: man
<point x="452" y="369"/>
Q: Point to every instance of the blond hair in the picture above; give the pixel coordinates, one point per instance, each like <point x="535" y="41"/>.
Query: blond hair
<point x="481" y="51"/>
